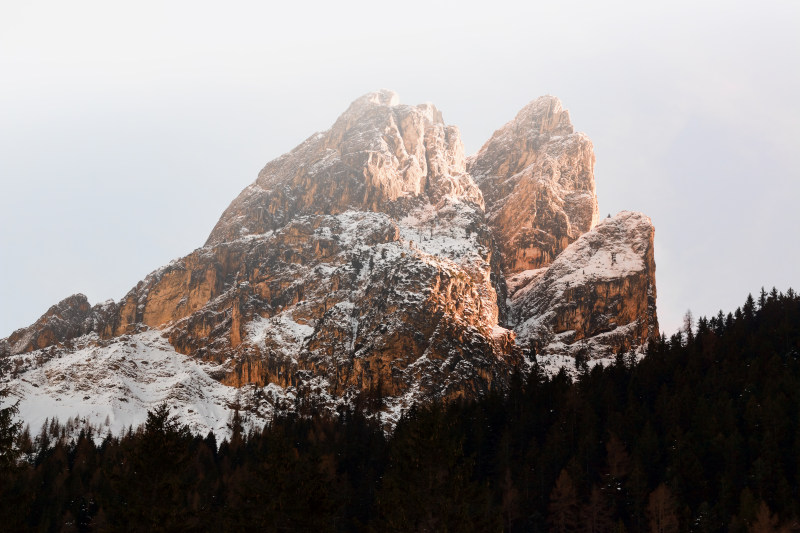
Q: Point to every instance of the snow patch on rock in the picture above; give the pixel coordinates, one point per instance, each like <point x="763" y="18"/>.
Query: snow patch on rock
<point x="112" y="385"/>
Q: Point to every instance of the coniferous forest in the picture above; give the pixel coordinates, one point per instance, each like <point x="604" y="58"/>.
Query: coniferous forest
<point x="702" y="434"/>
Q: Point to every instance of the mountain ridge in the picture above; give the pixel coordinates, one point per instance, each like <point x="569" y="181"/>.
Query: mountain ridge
<point x="375" y="255"/>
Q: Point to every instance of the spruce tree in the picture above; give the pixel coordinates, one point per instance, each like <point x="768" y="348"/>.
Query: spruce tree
<point x="9" y="429"/>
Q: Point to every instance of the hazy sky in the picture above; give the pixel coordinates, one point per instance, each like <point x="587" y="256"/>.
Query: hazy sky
<point x="126" y="129"/>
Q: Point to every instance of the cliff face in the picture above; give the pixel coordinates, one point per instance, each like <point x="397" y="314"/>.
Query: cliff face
<point x="537" y="177"/>
<point x="369" y="261"/>
<point x="359" y="258"/>
<point x="355" y="298"/>
<point x="598" y="297"/>
<point x="69" y="318"/>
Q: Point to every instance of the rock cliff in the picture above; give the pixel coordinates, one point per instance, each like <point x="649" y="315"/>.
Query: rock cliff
<point x="375" y="259"/>
<point x="537" y="178"/>
<point x="598" y="297"/>
<point x="69" y="318"/>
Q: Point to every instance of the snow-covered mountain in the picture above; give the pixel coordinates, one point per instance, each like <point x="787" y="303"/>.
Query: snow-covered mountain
<point x="374" y="260"/>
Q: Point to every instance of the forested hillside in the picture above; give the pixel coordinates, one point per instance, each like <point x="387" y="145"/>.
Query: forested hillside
<point x="700" y="435"/>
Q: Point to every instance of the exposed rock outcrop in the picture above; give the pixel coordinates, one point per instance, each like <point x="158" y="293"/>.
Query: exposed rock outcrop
<point x="69" y="318"/>
<point x="378" y="156"/>
<point x="537" y="178"/>
<point x="598" y="297"/>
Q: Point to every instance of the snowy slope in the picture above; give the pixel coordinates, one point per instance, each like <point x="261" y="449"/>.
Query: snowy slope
<point x="112" y="385"/>
<point x="598" y="296"/>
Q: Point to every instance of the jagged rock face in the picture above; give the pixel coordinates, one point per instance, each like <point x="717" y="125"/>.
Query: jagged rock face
<point x="537" y="178"/>
<point x="365" y="260"/>
<point x="378" y="156"/>
<point x="598" y="296"/>
<point x="69" y="318"/>
<point x="355" y="298"/>
<point x="371" y="293"/>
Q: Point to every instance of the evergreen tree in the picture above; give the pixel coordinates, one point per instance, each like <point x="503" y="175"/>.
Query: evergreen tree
<point x="427" y="453"/>
<point x="662" y="511"/>
<point x="596" y="514"/>
<point x="762" y="299"/>
<point x="9" y="429"/>
<point x="563" y="508"/>
<point x="765" y="521"/>
<point x="749" y="308"/>
<point x="688" y="325"/>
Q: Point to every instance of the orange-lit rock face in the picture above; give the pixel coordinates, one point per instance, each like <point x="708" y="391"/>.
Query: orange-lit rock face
<point x="537" y="177"/>
<point x="598" y="295"/>
<point x="68" y="319"/>
<point x="378" y="156"/>
<point x="357" y="299"/>
<point x="354" y="300"/>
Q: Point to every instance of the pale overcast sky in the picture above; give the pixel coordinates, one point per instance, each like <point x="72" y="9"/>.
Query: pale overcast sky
<point x="126" y="129"/>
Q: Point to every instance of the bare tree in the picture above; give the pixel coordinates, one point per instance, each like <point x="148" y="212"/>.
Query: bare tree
<point x="688" y="325"/>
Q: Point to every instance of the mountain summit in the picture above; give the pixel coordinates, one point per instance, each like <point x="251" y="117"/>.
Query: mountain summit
<point x="374" y="262"/>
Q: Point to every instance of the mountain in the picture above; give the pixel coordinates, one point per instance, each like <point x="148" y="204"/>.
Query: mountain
<point x="373" y="261"/>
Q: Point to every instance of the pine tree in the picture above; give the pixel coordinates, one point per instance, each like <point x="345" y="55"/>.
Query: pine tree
<point x="762" y="299"/>
<point x="749" y="308"/>
<point x="9" y="429"/>
<point x="662" y="511"/>
<point x="688" y="326"/>
<point x="596" y="513"/>
<point x="765" y="521"/>
<point x="236" y="426"/>
<point x="720" y="325"/>
<point x="563" y="508"/>
<point x="156" y="486"/>
<point x="427" y="453"/>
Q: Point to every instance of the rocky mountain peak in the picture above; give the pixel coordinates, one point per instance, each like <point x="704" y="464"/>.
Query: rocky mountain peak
<point x="520" y="139"/>
<point x="67" y="319"/>
<point x="383" y="97"/>
<point x="537" y="178"/>
<point x="598" y="295"/>
<point x="543" y="116"/>
<point x="372" y="260"/>
<point x="379" y="155"/>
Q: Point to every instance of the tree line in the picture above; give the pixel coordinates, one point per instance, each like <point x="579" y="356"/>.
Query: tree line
<point x="702" y="434"/>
